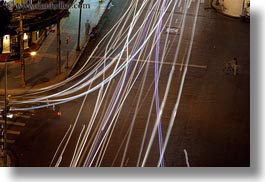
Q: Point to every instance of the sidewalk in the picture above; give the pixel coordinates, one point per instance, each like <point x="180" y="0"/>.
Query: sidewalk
<point x="41" y="69"/>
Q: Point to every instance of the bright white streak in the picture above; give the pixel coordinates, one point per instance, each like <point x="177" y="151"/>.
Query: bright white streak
<point x="165" y="97"/>
<point x="60" y="145"/>
<point x="186" y="158"/>
<point x="174" y="112"/>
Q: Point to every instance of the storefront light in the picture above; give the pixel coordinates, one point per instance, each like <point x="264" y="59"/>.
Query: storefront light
<point x="25" y="37"/>
<point x="33" y="53"/>
<point x="6" y="38"/>
<point x="6" y="44"/>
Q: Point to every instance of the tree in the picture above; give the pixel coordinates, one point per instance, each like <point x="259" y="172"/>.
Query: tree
<point x="5" y="18"/>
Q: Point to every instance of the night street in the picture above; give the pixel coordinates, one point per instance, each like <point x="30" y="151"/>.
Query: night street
<point x="149" y="91"/>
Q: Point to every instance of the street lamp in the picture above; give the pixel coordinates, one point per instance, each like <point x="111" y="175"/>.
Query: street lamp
<point x="67" y="40"/>
<point x="33" y="54"/>
<point x="79" y="25"/>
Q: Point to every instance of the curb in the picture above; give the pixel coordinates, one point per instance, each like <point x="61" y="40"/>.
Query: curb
<point x="85" y="45"/>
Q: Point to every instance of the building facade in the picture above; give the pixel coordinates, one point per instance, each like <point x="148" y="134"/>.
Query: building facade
<point x="32" y="41"/>
<point x="36" y="26"/>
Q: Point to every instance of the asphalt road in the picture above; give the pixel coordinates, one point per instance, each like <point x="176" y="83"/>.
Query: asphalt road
<point x="213" y="121"/>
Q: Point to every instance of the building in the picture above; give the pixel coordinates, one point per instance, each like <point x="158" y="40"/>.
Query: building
<point x="37" y="23"/>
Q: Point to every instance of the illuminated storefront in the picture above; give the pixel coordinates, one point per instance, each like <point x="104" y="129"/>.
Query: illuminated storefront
<point x="6" y="44"/>
<point x="36" y="25"/>
<point x="11" y="43"/>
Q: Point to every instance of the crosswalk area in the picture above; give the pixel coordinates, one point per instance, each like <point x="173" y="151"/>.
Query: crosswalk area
<point x="13" y="131"/>
<point x="15" y="126"/>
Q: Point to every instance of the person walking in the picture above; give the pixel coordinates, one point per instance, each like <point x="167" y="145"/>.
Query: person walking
<point x="87" y="27"/>
<point x="235" y="66"/>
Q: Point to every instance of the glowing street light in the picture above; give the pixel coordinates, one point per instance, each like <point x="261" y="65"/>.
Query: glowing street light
<point x="34" y="53"/>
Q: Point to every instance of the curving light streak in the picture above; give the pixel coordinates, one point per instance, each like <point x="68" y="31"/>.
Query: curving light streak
<point x="112" y="71"/>
<point x="83" y="85"/>
<point x="174" y="112"/>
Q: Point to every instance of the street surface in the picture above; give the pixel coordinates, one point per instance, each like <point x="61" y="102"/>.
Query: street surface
<point x="211" y="126"/>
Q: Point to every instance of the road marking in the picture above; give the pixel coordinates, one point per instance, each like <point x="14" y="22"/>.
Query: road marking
<point x="13" y="123"/>
<point x="172" y="30"/>
<point x="24" y="116"/>
<point x="12" y="132"/>
<point x="151" y="61"/>
<point x="180" y="64"/>
<point x="7" y="141"/>
<point x="183" y="59"/>
<point x="10" y="141"/>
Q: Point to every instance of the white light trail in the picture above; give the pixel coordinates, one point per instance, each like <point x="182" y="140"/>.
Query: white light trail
<point x="186" y="158"/>
<point x="118" y="71"/>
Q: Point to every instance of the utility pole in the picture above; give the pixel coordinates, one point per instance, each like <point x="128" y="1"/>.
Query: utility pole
<point x="67" y="40"/>
<point x="22" y="62"/>
<point x="58" y="62"/>
<point x="4" y="116"/>
<point x="79" y="25"/>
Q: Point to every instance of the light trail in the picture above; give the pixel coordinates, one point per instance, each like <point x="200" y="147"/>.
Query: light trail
<point x="186" y="158"/>
<point x="60" y="144"/>
<point x="132" y="57"/>
<point x="77" y="143"/>
<point x="158" y="119"/>
<point x="174" y="112"/>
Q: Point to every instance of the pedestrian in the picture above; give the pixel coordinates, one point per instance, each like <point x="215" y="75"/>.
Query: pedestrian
<point x="94" y="33"/>
<point x="87" y="27"/>
<point x="235" y="66"/>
